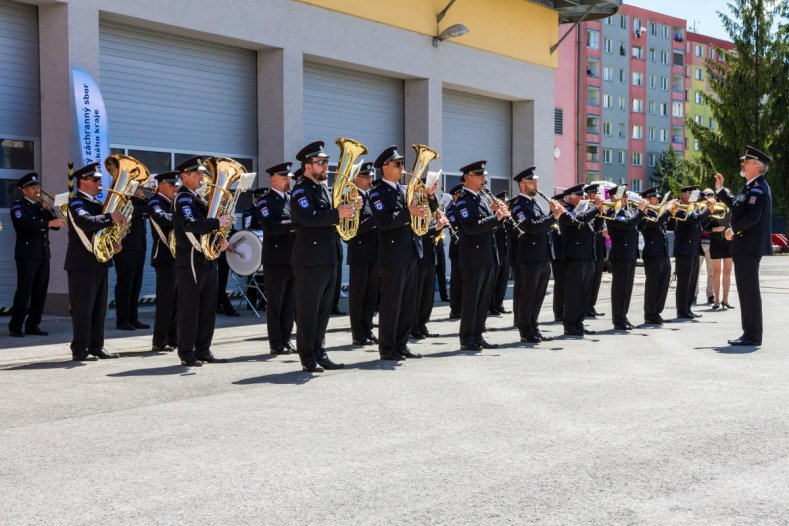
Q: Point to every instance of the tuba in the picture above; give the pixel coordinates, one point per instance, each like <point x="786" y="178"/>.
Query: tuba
<point x="344" y="192"/>
<point x="222" y="201"/>
<point x="416" y="192"/>
<point x="127" y="174"/>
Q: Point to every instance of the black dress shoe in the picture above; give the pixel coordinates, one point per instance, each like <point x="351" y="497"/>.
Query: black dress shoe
<point x="312" y="369"/>
<point x="361" y="341"/>
<point x="485" y="345"/>
<point x="591" y="314"/>
<point x="409" y="354"/>
<point x="621" y="327"/>
<point x="742" y="340"/>
<point x="102" y="354"/>
<point x="212" y="359"/>
<point x="540" y="336"/>
<point x="163" y="348"/>
<point x="140" y="325"/>
<point x="685" y="316"/>
<point x="397" y="357"/>
<point x="454" y="315"/>
<point x="87" y="357"/>
<point x="124" y="327"/>
<point x="372" y="338"/>
<point x="16" y="334"/>
<point x="653" y="321"/>
<point x="573" y="332"/>
<point x="417" y="336"/>
<point x="35" y="331"/>
<point x="470" y="347"/>
<point x="337" y="312"/>
<point x="289" y="346"/>
<point x="502" y="310"/>
<point x="588" y="331"/>
<point x="530" y="339"/>
<point x="329" y="365"/>
<point x="192" y="363"/>
<point x="693" y="314"/>
<point x="492" y="312"/>
<point x="427" y="334"/>
<point x="281" y="350"/>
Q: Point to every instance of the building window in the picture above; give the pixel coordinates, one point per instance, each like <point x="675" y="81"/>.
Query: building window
<point x="593" y="124"/>
<point x="676" y="135"/>
<point x="679" y="58"/>
<point x="592" y="153"/>
<point x="608" y="45"/>
<point x="607" y="156"/>
<point x="637" y="52"/>
<point x="608" y="73"/>
<point x="652" y="54"/>
<point x="698" y="73"/>
<point x="652" y="80"/>
<point x="663" y="134"/>
<point x="622" y="76"/>
<point x="636" y="24"/>
<point x="678" y="84"/>
<point x="606" y="100"/>
<point x="593" y="97"/>
<point x="558" y="121"/>
<point x="621" y="157"/>
<point x="664" y="57"/>
<point x="664" y="32"/>
<point x="635" y="185"/>
<point x="17" y="154"/>
<point x="712" y="53"/>
<point x="651" y="133"/>
<point x="696" y="144"/>
<point x="623" y="103"/>
<point x="663" y="109"/>
<point x="593" y="69"/>
<point x="623" y="21"/>
<point x="622" y="49"/>
<point x="678" y="109"/>
<point x="712" y="123"/>
<point x="609" y="21"/>
<point x="638" y="132"/>
<point x="664" y="83"/>
<point x="698" y="50"/>
<point x="653" y="28"/>
<point x="638" y="105"/>
<point x="638" y="78"/>
<point x="607" y="128"/>
<point x="651" y="160"/>
<point x="698" y="119"/>
<point x="652" y="107"/>
<point x="592" y="39"/>
<point x="621" y="130"/>
<point x="636" y="158"/>
<point x="699" y="97"/>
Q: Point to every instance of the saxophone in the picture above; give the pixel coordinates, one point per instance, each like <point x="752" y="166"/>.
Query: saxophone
<point x="344" y="192"/>
<point x="416" y="192"/>
<point x="222" y="201"/>
<point x="127" y="174"/>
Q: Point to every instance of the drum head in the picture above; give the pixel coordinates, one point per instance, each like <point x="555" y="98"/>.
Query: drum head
<point x="248" y="255"/>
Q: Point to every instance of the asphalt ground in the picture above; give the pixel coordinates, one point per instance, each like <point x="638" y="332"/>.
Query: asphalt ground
<point x="659" y="426"/>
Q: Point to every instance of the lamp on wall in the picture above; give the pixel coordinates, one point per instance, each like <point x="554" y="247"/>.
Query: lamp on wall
<point x="453" y="31"/>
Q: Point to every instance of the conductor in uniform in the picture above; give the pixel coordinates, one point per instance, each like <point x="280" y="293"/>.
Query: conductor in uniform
<point x="363" y="274"/>
<point x="32" y="220"/>
<point x="398" y="251"/>
<point x="687" y="246"/>
<point x="749" y="233"/>
<point x="165" y="335"/>
<point x="197" y="276"/>
<point x="478" y="255"/>
<point x="657" y="264"/>
<point x="315" y="256"/>
<point x="273" y="215"/>
<point x="87" y="277"/>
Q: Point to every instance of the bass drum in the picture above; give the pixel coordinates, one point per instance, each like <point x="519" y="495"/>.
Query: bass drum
<point x="248" y="257"/>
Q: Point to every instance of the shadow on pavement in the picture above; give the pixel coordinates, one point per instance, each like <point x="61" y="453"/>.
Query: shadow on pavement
<point x="69" y="364"/>
<point x="289" y="378"/>
<point x="156" y="371"/>
<point x="732" y="349"/>
<point x="375" y="365"/>
<point x="459" y="352"/>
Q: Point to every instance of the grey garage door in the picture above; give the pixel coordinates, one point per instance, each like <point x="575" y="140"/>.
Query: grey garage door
<point x="19" y="122"/>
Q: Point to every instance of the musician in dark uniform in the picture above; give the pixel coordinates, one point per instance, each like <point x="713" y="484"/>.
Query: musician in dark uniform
<point x="502" y="276"/>
<point x="478" y="255"/>
<point x="129" y="266"/>
<point x="362" y="260"/>
<point x="600" y="236"/>
<point x="623" y="229"/>
<point x="687" y="247"/>
<point x="657" y="264"/>
<point x="749" y="233"/>
<point x="579" y="256"/>
<point x="517" y="202"/>
<point x="315" y="256"/>
<point x="197" y="276"/>
<point x="557" y="265"/>
<point x="441" y="267"/>
<point x="250" y="220"/>
<point x="535" y="249"/>
<point x="426" y="277"/>
<point x="87" y="277"/>
<point x="455" y="278"/>
<point x="398" y="251"/>
<point x="160" y="206"/>
<point x="32" y="219"/>
<point x="273" y="215"/>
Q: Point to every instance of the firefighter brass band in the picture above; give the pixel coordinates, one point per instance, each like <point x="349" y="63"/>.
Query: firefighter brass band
<point x="395" y="234"/>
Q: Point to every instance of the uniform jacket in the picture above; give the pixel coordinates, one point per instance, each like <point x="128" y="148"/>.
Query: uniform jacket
<point x="536" y="244"/>
<point x="363" y="248"/>
<point x="31" y="223"/>
<point x="578" y="234"/>
<point x="558" y="243"/>
<point x="279" y="234"/>
<point x="161" y="215"/>
<point x="624" y="234"/>
<point x="454" y="246"/>
<point x="85" y="216"/>
<point x="512" y="236"/>
<point x="477" y="224"/>
<point x="429" y="249"/>
<point x="687" y="234"/>
<point x="314" y="219"/>
<point x="135" y="239"/>
<point x="502" y="245"/>
<point x="396" y="240"/>
<point x="189" y="217"/>
<point x="250" y="218"/>
<point x="751" y="216"/>
<point x="655" y="238"/>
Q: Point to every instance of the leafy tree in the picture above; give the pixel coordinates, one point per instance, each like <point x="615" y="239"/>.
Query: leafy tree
<point x="672" y="172"/>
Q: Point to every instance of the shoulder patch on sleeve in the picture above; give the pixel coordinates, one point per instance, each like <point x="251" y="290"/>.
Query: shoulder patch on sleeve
<point x="755" y="190"/>
<point x="18" y="213"/>
<point x="157" y="208"/>
<point x="187" y="210"/>
<point x="298" y="191"/>
<point x="185" y="199"/>
<point x="304" y="202"/>
<point x="264" y="211"/>
<point x="463" y="213"/>
<point x="378" y="205"/>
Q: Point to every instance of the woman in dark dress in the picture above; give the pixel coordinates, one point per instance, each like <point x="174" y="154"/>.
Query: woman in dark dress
<point x="721" y="261"/>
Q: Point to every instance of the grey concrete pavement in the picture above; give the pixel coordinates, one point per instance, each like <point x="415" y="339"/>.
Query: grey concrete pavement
<point x="660" y="426"/>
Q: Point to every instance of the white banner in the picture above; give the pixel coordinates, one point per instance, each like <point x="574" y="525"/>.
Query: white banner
<point x="93" y="132"/>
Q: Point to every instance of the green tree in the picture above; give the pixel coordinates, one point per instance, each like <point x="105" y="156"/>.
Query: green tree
<point x="749" y="100"/>
<point x="672" y="172"/>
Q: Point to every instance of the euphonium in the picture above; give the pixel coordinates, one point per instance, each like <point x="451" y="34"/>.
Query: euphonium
<point x="127" y="174"/>
<point x="344" y="192"/>
<point x="225" y="173"/>
<point x="416" y="192"/>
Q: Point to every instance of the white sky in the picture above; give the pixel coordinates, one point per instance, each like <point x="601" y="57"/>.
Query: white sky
<point x="704" y="12"/>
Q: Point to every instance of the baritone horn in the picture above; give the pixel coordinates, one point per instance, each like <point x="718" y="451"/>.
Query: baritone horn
<point x="416" y="191"/>
<point x="344" y="192"/>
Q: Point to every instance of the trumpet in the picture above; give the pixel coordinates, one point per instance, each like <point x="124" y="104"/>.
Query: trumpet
<point x="615" y="205"/>
<point x="719" y="211"/>
<point x="658" y="209"/>
<point x="494" y="201"/>
<point x="47" y="200"/>
<point x="688" y="209"/>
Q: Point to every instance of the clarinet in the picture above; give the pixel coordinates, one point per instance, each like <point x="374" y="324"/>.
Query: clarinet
<point x="509" y="220"/>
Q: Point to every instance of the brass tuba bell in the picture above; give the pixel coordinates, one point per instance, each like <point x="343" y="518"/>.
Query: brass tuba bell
<point x="416" y="192"/>
<point x="344" y="192"/>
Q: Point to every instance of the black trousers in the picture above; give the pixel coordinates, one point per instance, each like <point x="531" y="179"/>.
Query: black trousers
<point x="129" y="266"/>
<point x="623" y="273"/>
<point x="658" y="276"/>
<point x="455" y="286"/>
<point x="197" y="294"/>
<point x="577" y="290"/>
<point x="337" y="288"/>
<point x="165" y="323"/>
<point x="477" y="291"/>
<point x="223" y="302"/>
<point x="597" y="279"/>
<point x="687" y="277"/>
<point x="363" y="285"/>
<point x="746" y="272"/>
<point x="397" y="310"/>
<point x="87" y="294"/>
<point x="500" y="281"/>
<point x="441" y="273"/>
<point x="557" y="270"/>
<point x="516" y="291"/>
<point x="534" y="277"/>
<point x="426" y="296"/>
<point x="281" y="309"/>
<point x="32" y="281"/>
<point x="314" y="297"/>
